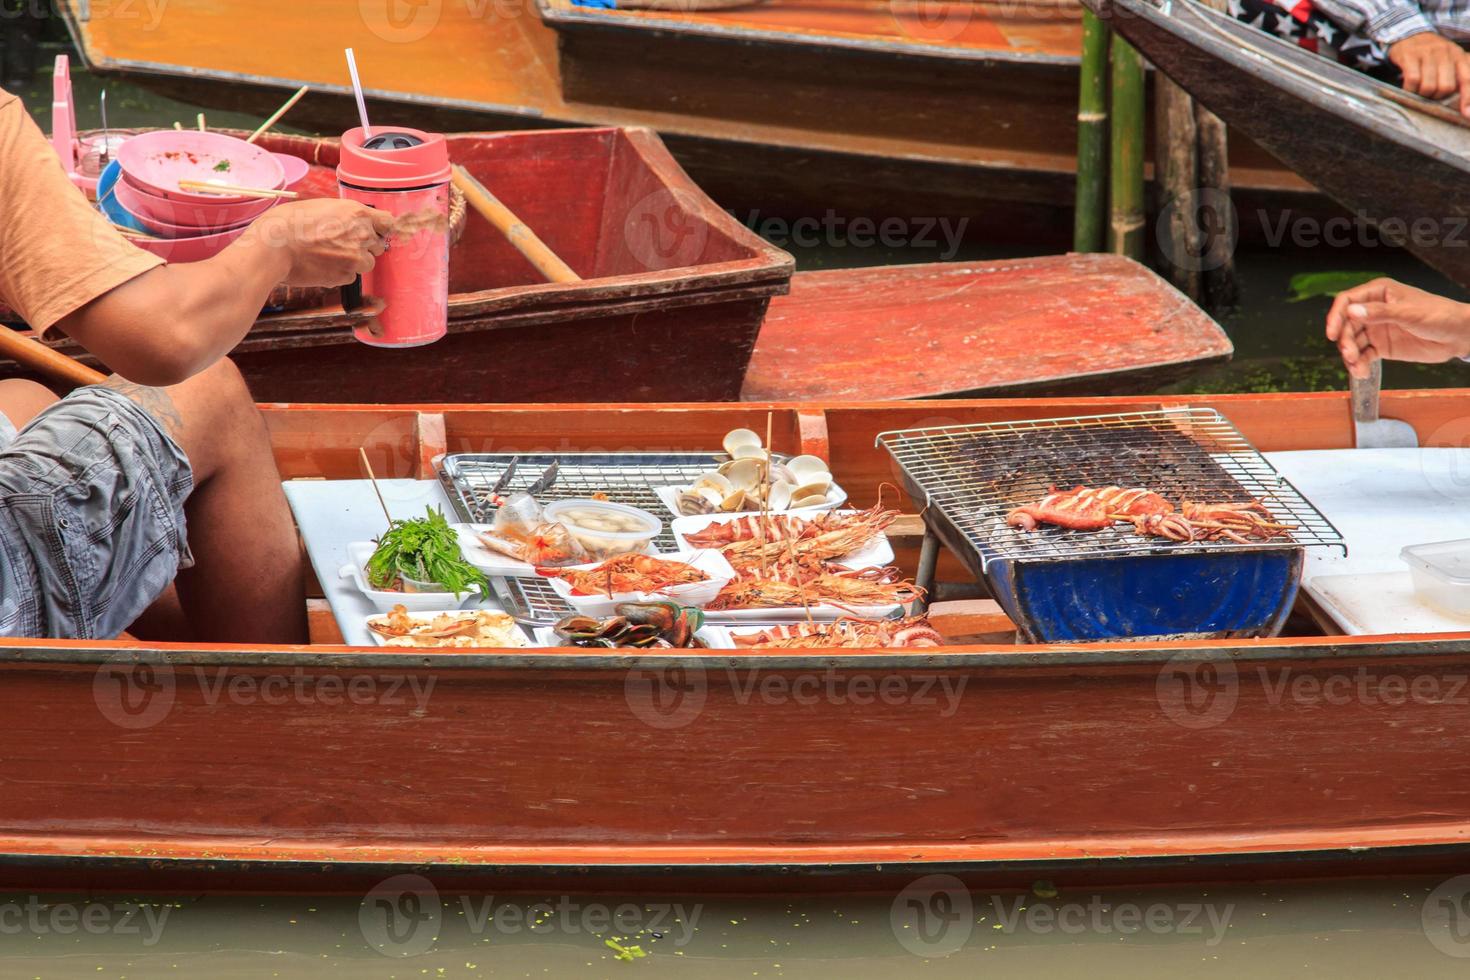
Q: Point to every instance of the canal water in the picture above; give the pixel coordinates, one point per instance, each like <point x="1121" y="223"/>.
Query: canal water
<point x="405" y="930"/>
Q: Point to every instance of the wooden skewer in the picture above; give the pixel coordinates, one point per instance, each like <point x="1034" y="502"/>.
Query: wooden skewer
<point x="537" y="252"/>
<point x="178" y="125"/>
<point x="205" y="187"/>
<point x="275" y="117"/>
<point x="52" y="363"/>
<point x="133" y="232"/>
<point x="367" y="465"/>
<point x="200" y="120"/>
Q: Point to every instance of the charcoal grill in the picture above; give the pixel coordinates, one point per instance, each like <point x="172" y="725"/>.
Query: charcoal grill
<point x="1060" y="585"/>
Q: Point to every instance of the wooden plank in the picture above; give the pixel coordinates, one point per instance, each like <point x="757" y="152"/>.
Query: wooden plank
<point x="930" y="330"/>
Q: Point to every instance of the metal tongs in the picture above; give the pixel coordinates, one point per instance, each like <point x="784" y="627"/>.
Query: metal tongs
<point x="543" y="483"/>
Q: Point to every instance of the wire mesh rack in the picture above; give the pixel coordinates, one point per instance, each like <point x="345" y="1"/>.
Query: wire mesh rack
<point x="974" y="475"/>
<point x="626" y="478"/>
<point x="531" y="599"/>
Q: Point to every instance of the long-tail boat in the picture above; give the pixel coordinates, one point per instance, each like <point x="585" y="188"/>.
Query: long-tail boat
<point x="869" y="107"/>
<point x="1405" y="151"/>
<point x="183" y="766"/>
<point x="675" y="293"/>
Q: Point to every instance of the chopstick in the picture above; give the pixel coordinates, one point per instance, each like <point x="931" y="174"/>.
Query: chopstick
<point x="205" y="187"/>
<point x="275" y="117"/>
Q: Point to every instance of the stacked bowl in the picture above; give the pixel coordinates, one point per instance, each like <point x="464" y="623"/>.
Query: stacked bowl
<point x="188" y="226"/>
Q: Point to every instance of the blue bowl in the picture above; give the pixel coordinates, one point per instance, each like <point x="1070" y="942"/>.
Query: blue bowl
<point x="108" y="205"/>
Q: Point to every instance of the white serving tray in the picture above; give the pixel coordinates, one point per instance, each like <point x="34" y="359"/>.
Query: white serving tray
<point x="358" y="553"/>
<point x="428" y="615"/>
<point x="877" y="553"/>
<point x="696" y="594"/>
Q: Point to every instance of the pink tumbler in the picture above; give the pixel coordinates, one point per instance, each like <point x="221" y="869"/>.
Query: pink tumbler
<point x="406" y="173"/>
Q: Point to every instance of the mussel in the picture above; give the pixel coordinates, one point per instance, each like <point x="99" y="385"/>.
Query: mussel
<point x="637" y="625"/>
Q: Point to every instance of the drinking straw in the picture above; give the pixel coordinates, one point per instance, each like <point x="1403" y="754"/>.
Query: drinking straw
<point x="367" y="131"/>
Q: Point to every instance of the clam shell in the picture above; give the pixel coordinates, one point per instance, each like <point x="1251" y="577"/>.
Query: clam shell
<point x="713" y="481"/>
<point x="693" y="502"/>
<point x="780" y="496"/>
<point x="811" y="500"/>
<point x="806" y="466"/>
<point x="748" y="452"/>
<point x="780" y="474"/>
<point x="817" y="484"/>
<point x="734" y="502"/>
<point x="737" y="438"/>
<point x="744" y="474"/>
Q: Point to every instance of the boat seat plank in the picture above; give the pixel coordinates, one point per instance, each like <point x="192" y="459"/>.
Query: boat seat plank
<point x="947" y="329"/>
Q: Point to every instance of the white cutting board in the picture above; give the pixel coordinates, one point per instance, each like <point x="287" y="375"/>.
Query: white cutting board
<point x="1381" y="500"/>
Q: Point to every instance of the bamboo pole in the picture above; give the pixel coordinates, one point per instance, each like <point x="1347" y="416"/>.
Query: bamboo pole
<point x="1089" y="226"/>
<point x="1126" y="215"/>
<point x="1175" y="173"/>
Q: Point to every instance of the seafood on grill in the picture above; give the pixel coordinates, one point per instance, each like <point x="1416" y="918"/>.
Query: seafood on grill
<point x="1086" y="509"/>
<point x="785" y="585"/>
<point x="751" y="480"/>
<point x="912" y="631"/>
<point x="627" y="573"/>
<point x="639" y="625"/>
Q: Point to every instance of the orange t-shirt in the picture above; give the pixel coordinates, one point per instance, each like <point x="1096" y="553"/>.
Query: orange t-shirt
<point x="56" y="252"/>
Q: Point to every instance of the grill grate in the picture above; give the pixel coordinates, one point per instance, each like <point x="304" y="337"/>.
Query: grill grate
<point x="531" y="599"/>
<point x="974" y="475"/>
<point x="626" y="478"/>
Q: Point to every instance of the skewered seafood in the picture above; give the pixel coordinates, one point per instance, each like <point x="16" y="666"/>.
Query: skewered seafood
<point x="1085" y="509"/>
<point x="786" y="585"/>
<point x="642" y="625"/>
<point x="914" y="631"/>
<point x="627" y="573"/>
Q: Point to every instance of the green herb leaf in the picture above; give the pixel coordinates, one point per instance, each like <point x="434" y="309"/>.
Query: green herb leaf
<point x="425" y="549"/>
<point x="222" y="166"/>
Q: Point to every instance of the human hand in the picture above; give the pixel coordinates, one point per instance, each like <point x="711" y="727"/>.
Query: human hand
<point x="1386" y="319"/>
<point x="1433" y="66"/>
<point x="327" y="242"/>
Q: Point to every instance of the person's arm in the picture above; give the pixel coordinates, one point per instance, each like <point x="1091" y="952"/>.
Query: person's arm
<point x="1432" y="65"/>
<point x="174" y="321"/>
<point x="1386" y="319"/>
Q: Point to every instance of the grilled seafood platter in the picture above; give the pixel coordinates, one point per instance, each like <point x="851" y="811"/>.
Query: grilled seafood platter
<point x="635" y="625"/>
<point x="446" y="630"/>
<point x="1092" y="509"/>
<point x="691" y="578"/>
<point x="753" y="480"/>
<point x="852" y="634"/>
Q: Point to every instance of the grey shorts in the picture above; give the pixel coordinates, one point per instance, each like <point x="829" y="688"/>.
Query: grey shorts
<point x="91" y="517"/>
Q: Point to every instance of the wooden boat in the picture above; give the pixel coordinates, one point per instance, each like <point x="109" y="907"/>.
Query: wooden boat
<point x="542" y="769"/>
<point x="672" y="281"/>
<point x="1403" y="152"/>
<point x="790" y="108"/>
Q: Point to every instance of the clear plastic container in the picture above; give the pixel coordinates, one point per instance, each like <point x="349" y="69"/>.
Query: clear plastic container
<point x="604" y="528"/>
<point x="1441" y="573"/>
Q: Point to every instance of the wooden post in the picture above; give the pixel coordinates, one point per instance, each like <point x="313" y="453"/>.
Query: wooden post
<point x="1089" y="227"/>
<point x="1218" y="231"/>
<point x="1126" y="213"/>
<point x="1175" y="175"/>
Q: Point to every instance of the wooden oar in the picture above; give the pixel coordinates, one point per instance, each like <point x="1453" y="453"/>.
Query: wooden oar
<point x="537" y="252"/>
<point x="52" y="363"/>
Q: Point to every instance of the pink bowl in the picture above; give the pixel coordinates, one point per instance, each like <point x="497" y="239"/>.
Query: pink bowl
<point x="214" y="216"/>
<point x="166" y="230"/>
<point x="189" y="249"/>
<point x="295" y="168"/>
<point x="157" y="161"/>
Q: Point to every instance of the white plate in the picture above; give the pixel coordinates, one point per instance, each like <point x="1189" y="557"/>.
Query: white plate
<point x="796" y="614"/>
<point x="697" y="594"/>
<point x="836" y="497"/>
<point x="714" y="637"/>
<point x="518" y="635"/>
<point x="877" y="553"/>
<point x="358" y="553"/>
<point x="493" y="563"/>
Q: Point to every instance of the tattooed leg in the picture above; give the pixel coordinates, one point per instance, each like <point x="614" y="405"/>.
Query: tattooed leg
<point x="247" y="582"/>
